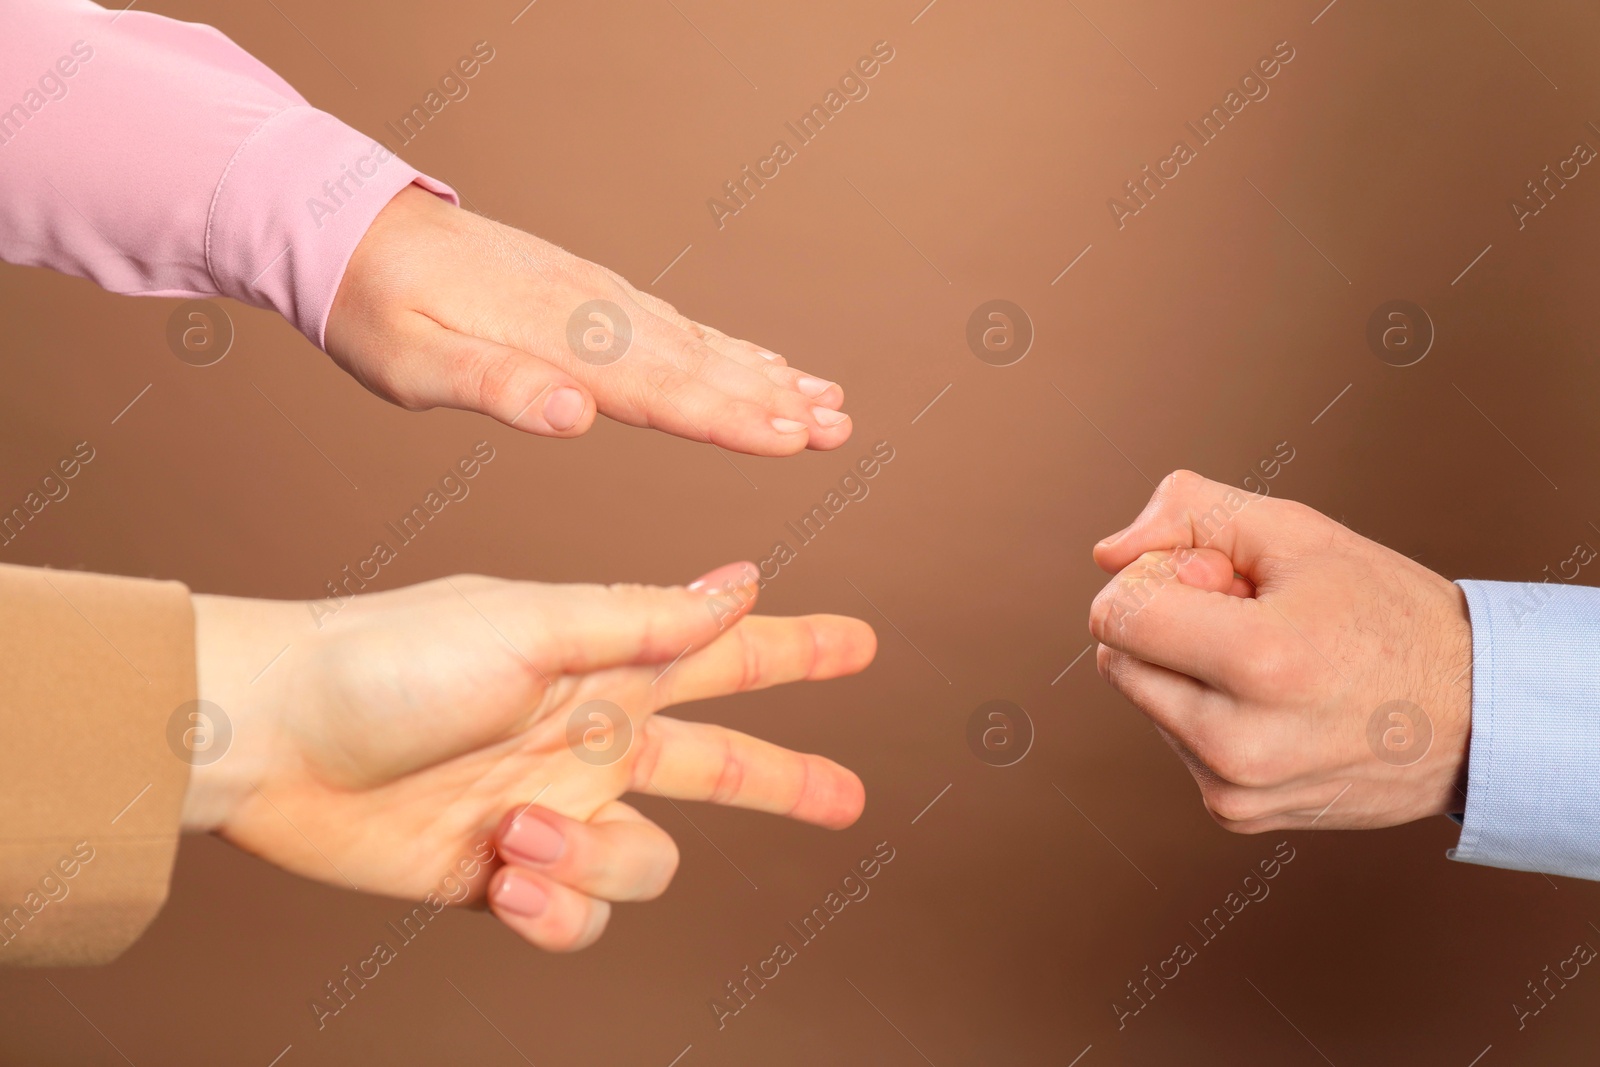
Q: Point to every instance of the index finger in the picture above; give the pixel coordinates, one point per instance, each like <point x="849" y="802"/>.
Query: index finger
<point x="583" y="628"/>
<point x="1153" y="614"/>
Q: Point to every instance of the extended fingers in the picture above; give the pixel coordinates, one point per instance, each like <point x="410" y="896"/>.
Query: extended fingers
<point x="761" y="651"/>
<point x="692" y="381"/>
<point x="700" y="761"/>
<point x="774" y="368"/>
<point x="770" y="364"/>
<point x="687" y="385"/>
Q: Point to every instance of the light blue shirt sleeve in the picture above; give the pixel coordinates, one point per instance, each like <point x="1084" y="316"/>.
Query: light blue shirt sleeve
<point x="1533" y="780"/>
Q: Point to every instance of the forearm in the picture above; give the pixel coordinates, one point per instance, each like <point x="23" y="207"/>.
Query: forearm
<point x="156" y="157"/>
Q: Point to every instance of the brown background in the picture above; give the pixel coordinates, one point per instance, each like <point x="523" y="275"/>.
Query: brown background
<point x="1201" y="336"/>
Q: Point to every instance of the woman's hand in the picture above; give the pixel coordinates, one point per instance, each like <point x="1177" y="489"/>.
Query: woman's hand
<point x="1307" y="675"/>
<point x="440" y="307"/>
<point x="382" y="750"/>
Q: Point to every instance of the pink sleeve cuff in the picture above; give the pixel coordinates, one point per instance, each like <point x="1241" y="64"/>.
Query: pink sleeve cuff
<point x="293" y="203"/>
<point x="158" y="158"/>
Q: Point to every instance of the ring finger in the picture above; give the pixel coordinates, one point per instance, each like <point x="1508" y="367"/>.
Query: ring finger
<point x="617" y="854"/>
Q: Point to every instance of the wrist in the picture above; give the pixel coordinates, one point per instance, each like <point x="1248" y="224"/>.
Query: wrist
<point x="1453" y="683"/>
<point x="243" y="653"/>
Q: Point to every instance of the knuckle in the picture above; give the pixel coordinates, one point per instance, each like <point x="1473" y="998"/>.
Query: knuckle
<point x="1103" y="655"/>
<point x="1180" y="484"/>
<point x="569" y="931"/>
<point x="666" y="380"/>
<point x="1250" y="828"/>
<point x="646" y="756"/>
<point x="695" y="355"/>
<point x="1122" y="674"/>
<point x="663" y="870"/>
<point x="1232" y="805"/>
<point x="1275" y="669"/>
<point x="492" y="378"/>
<point x="750" y="668"/>
<point x="730" y="780"/>
<point x="1111" y="612"/>
<point x="1241" y="762"/>
<point x="1117" y="605"/>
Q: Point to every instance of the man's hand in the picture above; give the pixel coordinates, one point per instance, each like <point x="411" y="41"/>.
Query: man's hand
<point x="1306" y="675"/>
<point x="443" y="308"/>
<point x="383" y="749"/>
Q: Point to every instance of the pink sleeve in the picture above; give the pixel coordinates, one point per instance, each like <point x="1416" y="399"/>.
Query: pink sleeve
<point x="158" y="158"/>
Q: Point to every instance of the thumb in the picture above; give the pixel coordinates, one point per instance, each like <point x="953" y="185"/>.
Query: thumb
<point x="1189" y="511"/>
<point x="445" y="368"/>
<point x="1205" y="569"/>
<point x="1211" y="570"/>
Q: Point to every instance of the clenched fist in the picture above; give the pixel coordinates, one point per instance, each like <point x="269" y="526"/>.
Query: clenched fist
<point x="1306" y="675"/>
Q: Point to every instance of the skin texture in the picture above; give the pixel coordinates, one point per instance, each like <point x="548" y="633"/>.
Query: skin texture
<point x="388" y="744"/>
<point x="440" y="307"/>
<point x="1262" y="637"/>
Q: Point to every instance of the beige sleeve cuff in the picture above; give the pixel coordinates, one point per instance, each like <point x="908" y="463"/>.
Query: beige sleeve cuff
<point x="92" y="669"/>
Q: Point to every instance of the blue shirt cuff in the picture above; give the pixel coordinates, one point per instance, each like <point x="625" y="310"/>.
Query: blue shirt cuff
<point x="1533" y="780"/>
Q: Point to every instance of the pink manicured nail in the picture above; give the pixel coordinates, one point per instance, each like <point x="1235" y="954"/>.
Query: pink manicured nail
<point x="564" y="408"/>
<point x="520" y="895"/>
<point x="732" y="575"/>
<point x="813" y="387"/>
<point x="828" y="417"/>
<point x="787" y="425"/>
<point x="764" y="354"/>
<point x="531" y="838"/>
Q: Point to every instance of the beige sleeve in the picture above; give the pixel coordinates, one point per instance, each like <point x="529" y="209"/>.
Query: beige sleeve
<point x="92" y="669"/>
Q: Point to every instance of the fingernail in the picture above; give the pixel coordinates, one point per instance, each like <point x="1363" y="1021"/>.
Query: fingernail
<point x="813" y="387"/>
<point x="531" y="838"/>
<point x="828" y="417"/>
<point x="520" y="895"/>
<point x="564" y="408"/>
<point x="732" y="575"/>
<point x="787" y="425"/>
<point x="1114" y="538"/>
<point x="764" y="354"/>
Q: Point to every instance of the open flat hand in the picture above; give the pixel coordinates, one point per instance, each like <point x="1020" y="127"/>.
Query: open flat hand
<point x="1306" y="675"/>
<point x="385" y="748"/>
<point x="440" y="307"/>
